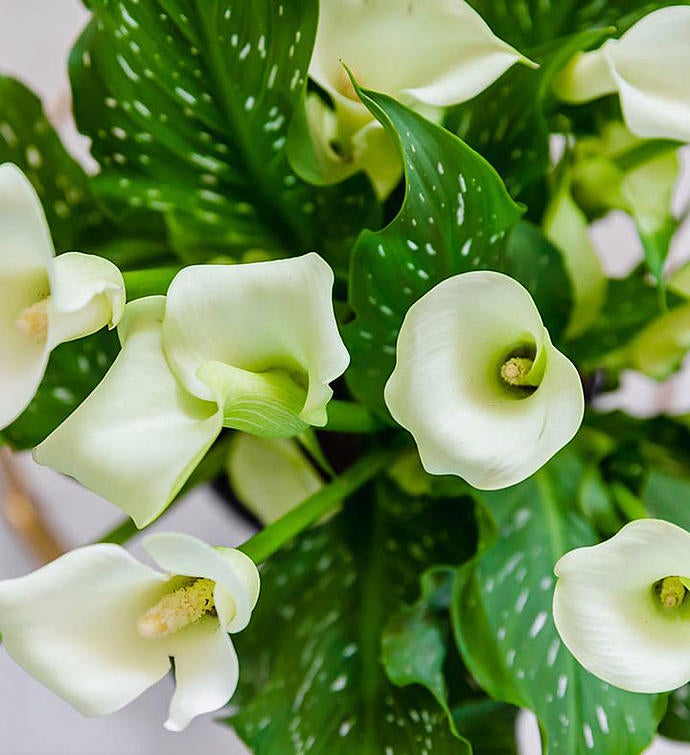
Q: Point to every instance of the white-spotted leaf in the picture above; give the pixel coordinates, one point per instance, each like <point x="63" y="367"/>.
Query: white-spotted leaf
<point x="505" y="630"/>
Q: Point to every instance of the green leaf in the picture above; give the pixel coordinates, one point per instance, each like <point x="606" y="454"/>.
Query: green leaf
<point x="311" y="668"/>
<point x="188" y="103"/>
<point x="507" y="123"/>
<point x="30" y="142"/>
<point x="666" y="497"/>
<point x="502" y="617"/>
<point x="414" y="641"/>
<point x="489" y="726"/>
<point x="74" y="370"/>
<point x="454" y="218"/>
<point x="527" y="23"/>
<point x="676" y="723"/>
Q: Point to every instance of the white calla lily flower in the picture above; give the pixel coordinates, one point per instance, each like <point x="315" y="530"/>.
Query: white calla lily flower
<point x="44" y="300"/>
<point x="643" y="67"/>
<point x="252" y="347"/>
<point x="427" y="54"/>
<point x="98" y="628"/>
<point x="479" y="384"/>
<point x="622" y="610"/>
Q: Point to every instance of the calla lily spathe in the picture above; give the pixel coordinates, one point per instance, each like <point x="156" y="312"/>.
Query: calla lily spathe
<point x="252" y="347"/>
<point x="98" y="628"/>
<point x="646" y="67"/>
<point x="44" y="300"/>
<point x="615" y="614"/>
<point x="428" y="54"/>
<point x="456" y="347"/>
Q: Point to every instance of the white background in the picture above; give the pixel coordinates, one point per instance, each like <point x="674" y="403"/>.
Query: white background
<point x="35" y="36"/>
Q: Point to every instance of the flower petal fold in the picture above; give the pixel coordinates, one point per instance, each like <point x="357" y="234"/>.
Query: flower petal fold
<point x="88" y="292"/>
<point x="439" y="52"/>
<point x="73" y="626"/>
<point x="206" y="673"/>
<point x="261" y="317"/>
<point x="608" y="615"/>
<point x="138" y="436"/>
<point x="447" y="391"/>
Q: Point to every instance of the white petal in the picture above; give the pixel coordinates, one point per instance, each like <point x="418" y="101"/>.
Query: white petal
<point x="608" y="616"/>
<point x="257" y="317"/>
<point x="139" y="435"/>
<point x="269" y="496"/>
<point x="235" y="575"/>
<point x="646" y="62"/>
<point x="447" y="391"/>
<point x="206" y="672"/>
<point x="26" y="256"/>
<point x="73" y="626"/>
<point x="88" y="292"/>
<point x="440" y="52"/>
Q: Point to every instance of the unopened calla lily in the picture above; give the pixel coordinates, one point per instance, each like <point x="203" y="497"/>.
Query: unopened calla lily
<point x="44" y="300"/>
<point x="428" y="54"/>
<point x="252" y="347"/>
<point x="478" y="383"/>
<point x="621" y="606"/>
<point x="99" y="628"/>
<point x="644" y="67"/>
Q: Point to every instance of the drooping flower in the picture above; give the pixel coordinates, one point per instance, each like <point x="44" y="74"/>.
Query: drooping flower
<point x="428" y="54"/>
<point x="252" y="347"/>
<point x="645" y="68"/>
<point x="44" y="300"/>
<point x="478" y="383"/>
<point x="268" y="497"/>
<point x="98" y="628"/>
<point x="622" y="610"/>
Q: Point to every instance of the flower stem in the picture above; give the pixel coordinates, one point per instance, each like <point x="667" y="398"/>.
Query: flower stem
<point x="349" y="417"/>
<point x="265" y="543"/>
<point x="140" y="283"/>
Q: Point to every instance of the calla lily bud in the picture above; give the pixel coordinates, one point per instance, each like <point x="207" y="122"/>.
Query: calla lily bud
<point x="252" y="347"/>
<point x="268" y="497"/>
<point x="99" y="628"/>
<point x="644" y="67"/>
<point x="479" y="384"/>
<point x="565" y="225"/>
<point x="621" y="607"/>
<point x="44" y="300"/>
<point x="427" y="54"/>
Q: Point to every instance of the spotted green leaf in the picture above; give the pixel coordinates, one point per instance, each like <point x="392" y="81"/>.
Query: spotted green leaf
<point x="28" y="140"/>
<point x="676" y="722"/>
<point x="504" y="628"/>
<point x="454" y="218"/>
<point x="312" y="677"/>
<point x="188" y="104"/>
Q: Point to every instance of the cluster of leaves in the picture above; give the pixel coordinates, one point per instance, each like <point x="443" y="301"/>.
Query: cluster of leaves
<point x="408" y="623"/>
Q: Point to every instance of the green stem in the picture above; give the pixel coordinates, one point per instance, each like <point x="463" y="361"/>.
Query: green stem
<point x="349" y="417"/>
<point x="140" y="283"/>
<point x="276" y="535"/>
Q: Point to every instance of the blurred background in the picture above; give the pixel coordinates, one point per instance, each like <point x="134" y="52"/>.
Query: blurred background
<point x="35" y="37"/>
